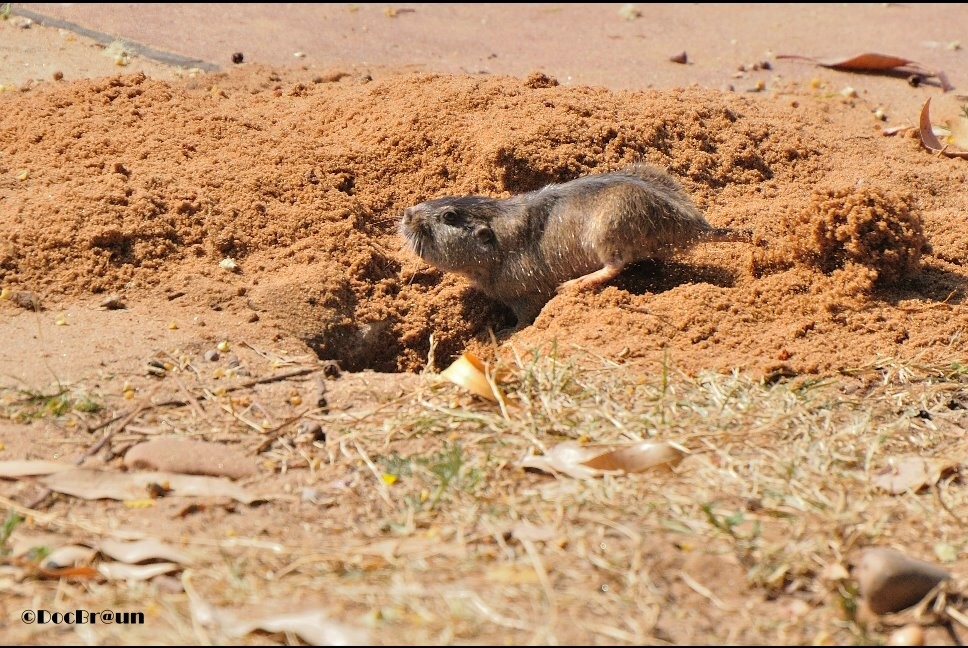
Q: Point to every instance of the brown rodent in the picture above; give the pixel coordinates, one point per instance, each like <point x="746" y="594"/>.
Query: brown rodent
<point x="582" y="233"/>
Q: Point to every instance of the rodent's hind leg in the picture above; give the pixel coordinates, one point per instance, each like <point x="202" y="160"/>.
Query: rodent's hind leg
<point x="593" y="279"/>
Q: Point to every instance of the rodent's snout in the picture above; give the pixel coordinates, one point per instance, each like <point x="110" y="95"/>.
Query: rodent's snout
<point x="407" y="215"/>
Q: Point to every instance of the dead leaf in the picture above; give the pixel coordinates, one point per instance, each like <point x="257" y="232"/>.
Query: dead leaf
<point x="124" y="571"/>
<point x="91" y="484"/>
<point x="866" y="62"/>
<point x="23" y="543"/>
<point x="873" y="62"/>
<point x="637" y="458"/>
<point x="68" y="556"/>
<point x="585" y="462"/>
<point x="313" y="626"/>
<point x="929" y="139"/>
<point x="191" y="457"/>
<point x="470" y="373"/>
<point x="142" y="550"/>
<point x="891" y="131"/>
<point x="567" y="457"/>
<point x="30" y="467"/>
<point x="910" y="474"/>
<point x="81" y="572"/>
<point x="891" y="581"/>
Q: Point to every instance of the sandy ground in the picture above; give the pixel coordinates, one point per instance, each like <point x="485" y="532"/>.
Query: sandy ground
<point x="157" y="199"/>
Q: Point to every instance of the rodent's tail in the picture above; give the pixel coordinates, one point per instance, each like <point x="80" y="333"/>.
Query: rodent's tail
<point x="728" y="235"/>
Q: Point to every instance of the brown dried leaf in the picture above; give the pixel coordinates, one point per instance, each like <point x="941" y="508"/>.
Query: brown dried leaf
<point x="638" y="458"/>
<point x="81" y="572"/>
<point x="124" y="571"/>
<point x="21" y="543"/>
<point x="191" y="457"/>
<point x="891" y="131"/>
<point x="314" y="626"/>
<point x="68" y="556"/>
<point x="568" y="458"/>
<point x="891" y="581"/>
<point x="929" y="139"/>
<point x="910" y="474"/>
<point x="584" y="462"/>
<point x="30" y="467"/>
<point x="867" y="62"/>
<point x="142" y="550"/>
<point x="874" y="62"/>
<point x="91" y="484"/>
<point x="470" y="373"/>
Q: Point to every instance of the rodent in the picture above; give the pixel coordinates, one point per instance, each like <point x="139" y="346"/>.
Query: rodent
<point x="521" y="250"/>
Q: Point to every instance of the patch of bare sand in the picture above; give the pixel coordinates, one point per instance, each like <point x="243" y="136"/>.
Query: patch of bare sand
<point x="142" y="187"/>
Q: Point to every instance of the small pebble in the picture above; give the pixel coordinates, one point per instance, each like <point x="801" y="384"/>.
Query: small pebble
<point x="112" y="303"/>
<point x="309" y="494"/>
<point x="27" y="300"/>
<point x="910" y="635"/>
<point x="311" y="429"/>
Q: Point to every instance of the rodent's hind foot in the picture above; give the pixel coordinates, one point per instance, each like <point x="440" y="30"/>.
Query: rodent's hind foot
<point x="593" y="279"/>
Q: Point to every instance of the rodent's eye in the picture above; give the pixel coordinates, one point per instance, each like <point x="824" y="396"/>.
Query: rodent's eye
<point x="450" y="217"/>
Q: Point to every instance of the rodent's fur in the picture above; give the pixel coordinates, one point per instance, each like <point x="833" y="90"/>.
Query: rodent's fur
<point x="520" y="250"/>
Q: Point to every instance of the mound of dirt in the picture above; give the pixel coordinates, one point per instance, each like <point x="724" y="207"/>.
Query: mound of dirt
<point x="276" y="195"/>
<point x="861" y="225"/>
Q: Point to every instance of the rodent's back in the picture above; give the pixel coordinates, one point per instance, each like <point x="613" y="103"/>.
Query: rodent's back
<point x="637" y="213"/>
<point x="521" y="249"/>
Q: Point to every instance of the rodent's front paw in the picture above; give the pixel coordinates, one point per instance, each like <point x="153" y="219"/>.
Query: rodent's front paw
<point x="593" y="279"/>
<point x="578" y="285"/>
<point x="570" y="285"/>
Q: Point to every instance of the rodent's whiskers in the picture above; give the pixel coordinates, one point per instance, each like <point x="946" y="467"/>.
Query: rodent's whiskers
<point x="411" y="243"/>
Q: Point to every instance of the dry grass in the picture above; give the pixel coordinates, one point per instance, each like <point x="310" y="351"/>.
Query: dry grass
<point x="414" y="521"/>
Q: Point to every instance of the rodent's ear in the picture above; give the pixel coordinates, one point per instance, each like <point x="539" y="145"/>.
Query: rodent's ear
<point x="484" y="234"/>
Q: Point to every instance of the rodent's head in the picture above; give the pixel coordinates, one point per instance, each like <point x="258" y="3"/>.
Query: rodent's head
<point x="455" y="234"/>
